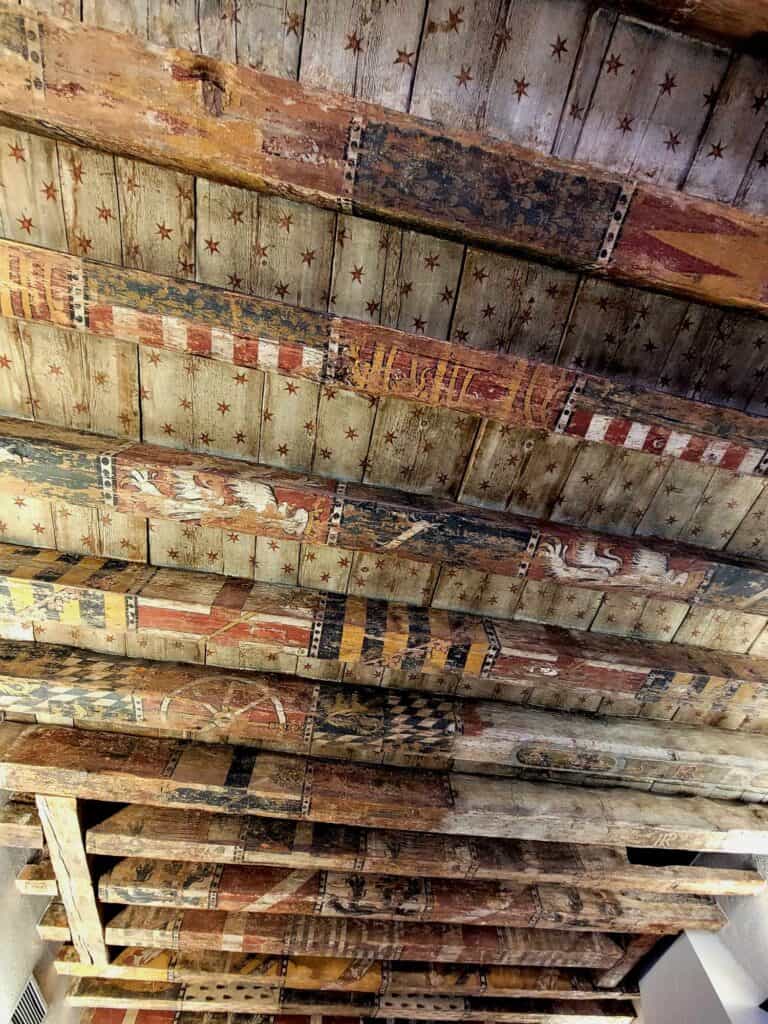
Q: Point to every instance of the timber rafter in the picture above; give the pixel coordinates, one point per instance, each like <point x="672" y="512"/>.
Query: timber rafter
<point x="235" y="125"/>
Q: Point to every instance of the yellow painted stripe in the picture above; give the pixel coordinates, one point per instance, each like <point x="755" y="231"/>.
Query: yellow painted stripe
<point x="353" y="632"/>
<point x="476" y="657"/>
<point x="114" y="611"/>
<point x="396" y="637"/>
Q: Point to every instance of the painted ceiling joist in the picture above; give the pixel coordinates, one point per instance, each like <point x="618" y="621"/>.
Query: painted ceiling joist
<point x="39" y="461"/>
<point x="231" y="616"/>
<point x="131" y="1004"/>
<point x="168" y="834"/>
<point x="160" y="772"/>
<point x="342" y="974"/>
<point x="294" y="716"/>
<point x="235" y="125"/>
<point x="744" y="22"/>
<point x="39" y="285"/>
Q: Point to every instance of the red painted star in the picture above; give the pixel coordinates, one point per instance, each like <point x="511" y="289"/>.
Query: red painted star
<point x="164" y="231"/>
<point x="354" y="42"/>
<point x="613" y="64"/>
<point x="464" y="76"/>
<point x="212" y="245"/>
<point x="50" y="191"/>
<point x="559" y="48"/>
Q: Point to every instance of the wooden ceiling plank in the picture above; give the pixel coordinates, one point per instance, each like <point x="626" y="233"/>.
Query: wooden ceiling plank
<point x="125" y="1002"/>
<point x="282" y="891"/>
<point x="60" y="820"/>
<point x="742" y="22"/>
<point x="47" y="587"/>
<point x="37" y="286"/>
<point x="20" y="826"/>
<point x="168" y="834"/>
<point x="37" y="878"/>
<point x="163" y="772"/>
<point x="231" y="128"/>
<point x="368" y="725"/>
<point x="326" y="974"/>
<point x="141" y="481"/>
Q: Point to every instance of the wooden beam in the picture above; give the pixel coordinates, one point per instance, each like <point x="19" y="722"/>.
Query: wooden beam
<point x="368" y="725"/>
<point x="20" y="826"/>
<point x="114" y="1003"/>
<point x="283" y="891"/>
<point x="60" y="819"/>
<point x="197" y="930"/>
<point x="37" y="878"/>
<point x="488" y="656"/>
<point x="40" y="461"/>
<point x="167" y="834"/>
<point x="743" y="22"/>
<point x="340" y="974"/>
<point x="53" y="925"/>
<point x="42" y="286"/>
<point x="239" y="780"/>
<point x="232" y="124"/>
<point x="635" y="947"/>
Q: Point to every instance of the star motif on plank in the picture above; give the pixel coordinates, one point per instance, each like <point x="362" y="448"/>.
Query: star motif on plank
<point x="488" y="311"/>
<point x="462" y="334"/>
<point x="163" y="231"/>
<point x="54" y="369"/>
<point x="625" y="124"/>
<point x="239" y="437"/>
<point x="326" y="453"/>
<point x="354" y="43"/>
<point x="261" y="253"/>
<point x="406" y="287"/>
<point x="281" y="289"/>
<point x="105" y="213"/>
<point x="716" y="150"/>
<point x="184" y="192"/>
<point x="672" y="141"/>
<point x="350" y="433"/>
<point x="432" y="261"/>
<point x="293" y="24"/>
<point x="233" y="281"/>
<point x="552" y="291"/>
<point x="521" y="88"/>
<point x="17" y="152"/>
<point x="50" y="191"/>
<point x="212" y="245"/>
<point x="454" y="19"/>
<point x="576" y="111"/>
<point x="480" y="274"/>
<point x="464" y="76"/>
<point x="223" y="407"/>
<point x="81" y="407"/>
<point x="342" y="235"/>
<point x="614" y="64"/>
<point x="503" y="38"/>
<point x="669" y="83"/>
<point x="357" y="274"/>
<point x="419" y="324"/>
<point x="186" y="266"/>
<point x="25" y="223"/>
<point x="83" y="244"/>
<point x="236" y="216"/>
<point x="291" y="388"/>
<point x="371" y="306"/>
<point x="204" y="438"/>
<point x="5" y="362"/>
<point x="131" y="184"/>
<point x="169" y="429"/>
<point x="240" y="378"/>
<point x="558" y="48"/>
<point x="308" y="256"/>
<point x="282" y="449"/>
<point x="446" y="295"/>
<point x="404" y="58"/>
<point x="285" y="221"/>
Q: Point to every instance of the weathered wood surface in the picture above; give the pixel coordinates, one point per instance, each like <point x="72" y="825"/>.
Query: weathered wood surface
<point x="38" y="285"/>
<point x="166" y="834"/>
<point x="60" y="819"/>
<point x="195" y="930"/>
<point x="635" y="948"/>
<point x="371" y="725"/>
<point x="37" y="878"/>
<point x="43" y="589"/>
<point x="20" y="826"/>
<point x="105" y="766"/>
<point x="382" y="978"/>
<point x="104" y="993"/>
<point x="282" y="891"/>
<point x="140" y="480"/>
<point x="744" y="22"/>
<point x="525" y="1011"/>
<point x="200" y="115"/>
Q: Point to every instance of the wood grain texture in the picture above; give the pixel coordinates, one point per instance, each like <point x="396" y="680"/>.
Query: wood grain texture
<point x="149" y="481"/>
<point x="294" y="716"/>
<point x="167" y="834"/>
<point x="383" y="978"/>
<point x="744" y="22"/>
<point x="199" y="115"/>
<point x="282" y="891"/>
<point x="523" y="1011"/>
<point x="196" y="930"/>
<point x="20" y="826"/>
<point x="60" y="819"/>
<point x="262" y="334"/>
<point x="99" y="766"/>
<point x="464" y="653"/>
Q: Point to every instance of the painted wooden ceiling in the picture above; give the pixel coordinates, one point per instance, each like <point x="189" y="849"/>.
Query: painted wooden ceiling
<point x="607" y="475"/>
